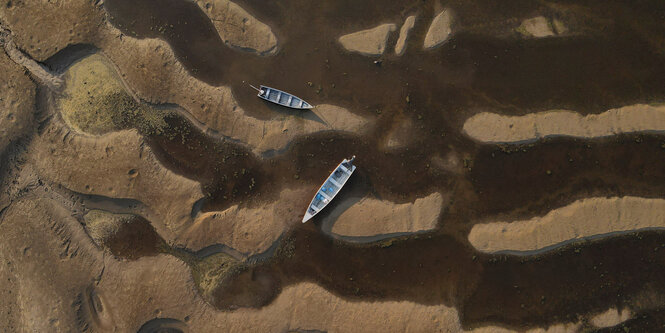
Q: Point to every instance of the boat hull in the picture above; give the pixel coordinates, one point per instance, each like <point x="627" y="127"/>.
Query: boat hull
<point x="327" y="192"/>
<point x="283" y="98"/>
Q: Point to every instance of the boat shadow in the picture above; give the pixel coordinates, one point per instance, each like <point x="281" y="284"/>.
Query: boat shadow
<point x="307" y="114"/>
<point x="356" y="189"/>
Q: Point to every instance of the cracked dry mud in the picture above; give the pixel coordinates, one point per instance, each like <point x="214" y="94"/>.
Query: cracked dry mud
<point x="145" y="188"/>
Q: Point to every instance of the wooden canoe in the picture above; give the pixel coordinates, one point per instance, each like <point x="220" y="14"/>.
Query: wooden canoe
<point x="282" y="98"/>
<point x="330" y="188"/>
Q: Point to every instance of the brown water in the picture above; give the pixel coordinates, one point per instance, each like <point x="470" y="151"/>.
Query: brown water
<point x="614" y="57"/>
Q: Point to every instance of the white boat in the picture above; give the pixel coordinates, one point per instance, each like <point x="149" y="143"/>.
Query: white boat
<point x="330" y="188"/>
<point x="282" y="98"/>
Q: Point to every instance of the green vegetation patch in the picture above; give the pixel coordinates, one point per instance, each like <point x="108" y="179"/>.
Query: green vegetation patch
<point x="208" y="272"/>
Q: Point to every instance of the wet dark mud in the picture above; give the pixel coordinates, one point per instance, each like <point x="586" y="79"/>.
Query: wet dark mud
<point x="624" y="271"/>
<point x="613" y="57"/>
<point x="229" y="172"/>
<point x="182" y="24"/>
<point x="135" y="239"/>
<point x="556" y="172"/>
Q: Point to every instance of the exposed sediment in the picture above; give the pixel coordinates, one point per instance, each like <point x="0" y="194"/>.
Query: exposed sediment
<point x="370" y="42"/>
<point x="17" y="102"/>
<point x="151" y="70"/>
<point x="40" y="73"/>
<point x="495" y="128"/>
<point x="371" y="217"/>
<point x="238" y="28"/>
<point x="48" y="264"/>
<point x="583" y="219"/>
<point x="250" y="230"/>
<point x="611" y="317"/>
<point x="439" y="30"/>
<point x="400" y="45"/>
<point x="537" y="27"/>
<point x="61" y="23"/>
<point x="118" y="165"/>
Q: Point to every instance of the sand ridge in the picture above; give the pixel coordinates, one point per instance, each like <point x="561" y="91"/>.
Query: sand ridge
<point x="400" y="45"/>
<point x="372" y="217"/>
<point x="118" y="165"/>
<point x="87" y="289"/>
<point x="238" y="28"/>
<point x="69" y="23"/>
<point x="489" y="127"/>
<point x="574" y="222"/>
<point x="151" y="71"/>
<point x="17" y="102"/>
<point x="611" y="317"/>
<point x="249" y="230"/>
<point x="440" y="29"/>
<point x="369" y="42"/>
<point x="536" y="27"/>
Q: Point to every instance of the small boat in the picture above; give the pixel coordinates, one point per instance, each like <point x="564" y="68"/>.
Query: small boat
<point x="330" y="188"/>
<point x="281" y="98"/>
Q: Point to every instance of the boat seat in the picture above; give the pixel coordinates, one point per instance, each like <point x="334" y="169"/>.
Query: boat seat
<point x="335" y="182"/>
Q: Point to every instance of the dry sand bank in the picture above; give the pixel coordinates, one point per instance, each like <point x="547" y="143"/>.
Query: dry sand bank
<point x="494" y="128"/>
<point x="151" y="71"/>
<point x="439" y="30"/>
<point x="116" y="165"/>
<point x="537" y="27"/>
<point x="370" y="42"/>
<point x="238" y="28"/>
<point x="38" y="72"/>
<point x="45" y="267"/>
<point x="540" y="26"/>
<point x="372" y="217"/>
<point x="611" y="317"/>
<point x="591" y="217"/>
<point x="60" y="23"/>
<point x="17" y="102"/>
<point x="66" y="283"/>
<point x="250" y="230"/>
<point x="400" y="45"/>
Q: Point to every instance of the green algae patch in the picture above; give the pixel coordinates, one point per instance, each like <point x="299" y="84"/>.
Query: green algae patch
<point x="101" y="225"/>
<point x="210" y="272"/>
<point x="95" y="101"/>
